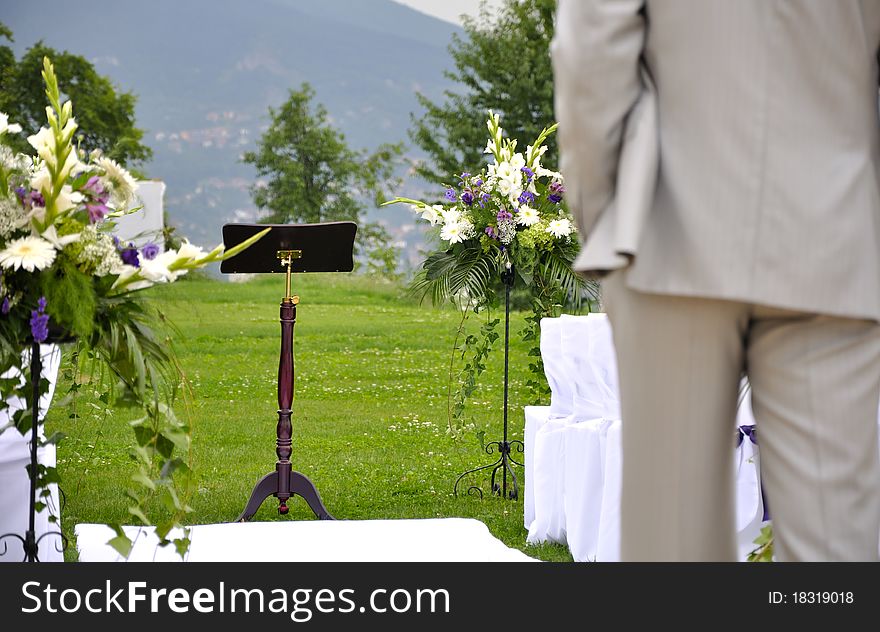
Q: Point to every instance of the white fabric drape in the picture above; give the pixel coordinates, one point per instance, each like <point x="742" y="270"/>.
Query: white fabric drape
<point x="15" y="455"/>
<point x="573" y="453"/>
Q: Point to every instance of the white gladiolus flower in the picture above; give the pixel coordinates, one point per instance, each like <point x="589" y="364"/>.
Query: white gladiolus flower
<point x="29" y="253"/>
<point x="6" y="126"/>
<point x="432" y="214"/>
<point x="51" y="235"/>
<point x="560" y="228"/>
<point x="449" y="215"/>
<point x="125" y="273"/>
<point x="157" y="269"/>
<point x="532" y="154"/>
<point x="507" y="171"/>
<point x="67" y="198"/>
<point x="490" y="147"/>
<point x="542" y="172"/>
<point x="527" y="216"/>
<point x="41" y="180"/>
<point x="517" y="161"/>
<point x="44" y="142"/>
<point x="189" y="252"/>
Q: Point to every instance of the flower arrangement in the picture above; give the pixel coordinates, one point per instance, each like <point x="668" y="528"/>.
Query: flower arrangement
<point x="506" y="221"/>
<point x="63" y="276"/>
<point x="512" y="210"/>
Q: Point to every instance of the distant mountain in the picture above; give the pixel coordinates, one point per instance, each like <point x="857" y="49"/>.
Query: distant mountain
<point x="206" y="71"/>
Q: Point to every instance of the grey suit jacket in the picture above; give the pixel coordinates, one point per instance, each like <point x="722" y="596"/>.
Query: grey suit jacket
<point x="758" y="179"/>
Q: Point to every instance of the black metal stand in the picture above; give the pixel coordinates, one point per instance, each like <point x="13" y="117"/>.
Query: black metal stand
<point x="31" y="543"/>
<point x="504" y="446"/>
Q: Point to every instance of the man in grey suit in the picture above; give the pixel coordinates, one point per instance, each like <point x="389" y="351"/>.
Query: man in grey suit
<point x="723" y="161"/>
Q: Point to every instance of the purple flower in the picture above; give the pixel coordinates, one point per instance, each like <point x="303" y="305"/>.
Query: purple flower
<point x="130" y="256"/>
<point x="484" y="199"/>
<point x="490" y="230"/>
<point x="150" y="251"/>
<point x="529" y="173"/>
<point x="526" y="197"/>
<point x="467" y="197"/>
<point x="5" y="307"/>
<point x="29" y="199"/>
<point x="503" y="215"/>
<point x="465" y="175"/>
<point x="478" y="182"/>
<point x="94" y="186"/>
<point x="556" y="191"/>
<point x="96" y="212"/>
<point x="450" y="195"/>
<point x="40" y="321"/>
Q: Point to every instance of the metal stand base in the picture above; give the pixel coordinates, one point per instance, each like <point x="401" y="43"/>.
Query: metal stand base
<point x="503" y="464"/>
<point x="504" y="446"/>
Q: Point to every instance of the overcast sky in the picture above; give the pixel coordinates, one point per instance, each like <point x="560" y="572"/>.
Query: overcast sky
<point x="449" y="10"/>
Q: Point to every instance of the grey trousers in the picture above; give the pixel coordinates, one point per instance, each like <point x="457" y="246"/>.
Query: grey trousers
<point x="815" y="387"/>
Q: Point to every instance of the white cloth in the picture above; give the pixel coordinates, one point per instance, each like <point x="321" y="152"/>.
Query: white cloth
<point x="15" y="455"/>
<point x="432" y="540"/>
<point x="574" y="463"/>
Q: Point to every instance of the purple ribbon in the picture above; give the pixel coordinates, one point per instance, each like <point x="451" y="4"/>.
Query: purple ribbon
<point x="752" y="433"/>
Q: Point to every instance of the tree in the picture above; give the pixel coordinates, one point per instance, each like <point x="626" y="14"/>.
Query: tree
<point x="313" y="176"/>
<point x="104" y="114"/>
<point x="503" y="63"/>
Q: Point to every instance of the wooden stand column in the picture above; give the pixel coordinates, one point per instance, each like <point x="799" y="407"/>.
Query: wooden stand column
<point x="284" y="482"/>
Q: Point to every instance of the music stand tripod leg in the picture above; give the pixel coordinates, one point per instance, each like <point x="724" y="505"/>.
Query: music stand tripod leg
<point x="305" y="489"/>
<point x="267" y="486"/>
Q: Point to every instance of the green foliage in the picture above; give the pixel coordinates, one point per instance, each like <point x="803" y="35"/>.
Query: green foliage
<point x="105" y="114"/>
<point x="313" y="176"/>
<point x="380" y="256"/>
<point x="764" y="551"/>
<point x="473" y="352"/>
<point x="503" y="64"/>
<point x="70" y="297"/>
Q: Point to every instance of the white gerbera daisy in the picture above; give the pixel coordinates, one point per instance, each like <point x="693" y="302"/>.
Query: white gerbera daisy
<point x="527" y="216"/>
<point x="560" y="228"/>
<point x="456" y="232"/>
<point x="119" y="181"/>
<point x="30" y="253"/>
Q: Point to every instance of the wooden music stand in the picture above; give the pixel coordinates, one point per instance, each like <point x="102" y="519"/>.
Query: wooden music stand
<point x="288" y="248"/>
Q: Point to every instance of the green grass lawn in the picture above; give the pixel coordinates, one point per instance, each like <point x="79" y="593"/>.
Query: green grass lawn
<point x="369" y="415"/>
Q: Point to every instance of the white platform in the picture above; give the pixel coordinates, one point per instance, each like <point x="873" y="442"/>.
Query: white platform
<point x="431" y="540"/>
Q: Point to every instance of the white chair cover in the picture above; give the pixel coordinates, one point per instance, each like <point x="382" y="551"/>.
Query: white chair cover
<point x="14" y="457"/>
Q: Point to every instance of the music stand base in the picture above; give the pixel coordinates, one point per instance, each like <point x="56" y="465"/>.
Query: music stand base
<point x="299" y="485"/>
